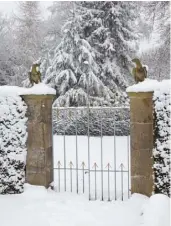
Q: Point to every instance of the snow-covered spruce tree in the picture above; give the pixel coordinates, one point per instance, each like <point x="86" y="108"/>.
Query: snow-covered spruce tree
<point x="73" y="72"/>
<point x="28" y="31"/>
<point x="158" y="56"/>
<point x="161" y="152"/>
<point x="13" y="137"/>
<point x="7" y="52"/>
<point x="109" y="28"/>
<point x="60" y="12"/>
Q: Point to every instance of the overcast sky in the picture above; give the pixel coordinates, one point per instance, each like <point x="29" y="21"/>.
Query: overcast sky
<point x="7" y="7"/>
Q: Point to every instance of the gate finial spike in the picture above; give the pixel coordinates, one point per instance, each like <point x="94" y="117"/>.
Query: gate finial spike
<point x="108" y="166"/>
<point x="95" y="165"/>
<point x="121" y="166"/>
<point x="83" y="164"/>
<point x="71" y="164"/>
<point x="59" y="164"/>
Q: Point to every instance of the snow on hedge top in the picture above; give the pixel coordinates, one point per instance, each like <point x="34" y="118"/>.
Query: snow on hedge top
<point x="37" y="89"/>
<point x="149" y="85"/>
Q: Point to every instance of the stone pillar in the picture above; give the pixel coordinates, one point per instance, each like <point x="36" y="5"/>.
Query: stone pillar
<point x="39" y="163"/>
<point x="141" y="135"/>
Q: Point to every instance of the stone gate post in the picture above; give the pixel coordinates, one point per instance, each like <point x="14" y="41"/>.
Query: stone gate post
<point x="141" y="135"/>
<point x="39" y="163"/>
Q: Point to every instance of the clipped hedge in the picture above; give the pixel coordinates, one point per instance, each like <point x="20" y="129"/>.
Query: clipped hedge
<point x="162" y="146"/>
<point x="13" y="137"/>
<point x="72" y="119"/>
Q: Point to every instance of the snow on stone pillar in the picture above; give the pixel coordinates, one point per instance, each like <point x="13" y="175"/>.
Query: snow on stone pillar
<point x="39" y="162"/>
<point x="142" y="140"/>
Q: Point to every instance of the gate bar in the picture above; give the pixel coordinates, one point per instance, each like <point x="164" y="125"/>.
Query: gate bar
<point x="122" y="166"/>
<point x="88" y="133"/>
<point x="128" y="142"/>
<point x="101" y="158"/>
<point x="64" y="153"/>
<point x="114" y="144"/>
<point x="76" y="155"/>
<point x="83" y="165"/>
<point x="94" y="107"/>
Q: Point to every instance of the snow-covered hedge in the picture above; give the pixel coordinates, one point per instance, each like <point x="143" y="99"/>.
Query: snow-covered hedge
<point x="69" y="119"/>
<point x="161" y="153"/>
<point x="13" y="137"/>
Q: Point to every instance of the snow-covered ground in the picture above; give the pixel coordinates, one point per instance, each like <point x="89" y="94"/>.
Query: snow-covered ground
<point x="37" y="206"/>
<point x="156" y="211"/>
<point x="118" y="155"/>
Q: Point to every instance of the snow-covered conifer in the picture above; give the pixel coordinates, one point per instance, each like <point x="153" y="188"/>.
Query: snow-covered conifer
<point x="97" y="44"/>
<point x="28" y="31"/>
<point x="109" y="28"/>
<point x="73" y="72"/>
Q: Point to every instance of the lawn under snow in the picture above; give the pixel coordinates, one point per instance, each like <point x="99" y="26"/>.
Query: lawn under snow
<point x="38" y="206"/>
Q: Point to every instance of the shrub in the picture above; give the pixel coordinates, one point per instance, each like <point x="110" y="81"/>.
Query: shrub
<point x="13" y="137"/>
<point x="161" y="152"/>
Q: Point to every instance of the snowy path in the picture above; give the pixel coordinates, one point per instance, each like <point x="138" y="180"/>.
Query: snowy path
<point x="36" y="206"/>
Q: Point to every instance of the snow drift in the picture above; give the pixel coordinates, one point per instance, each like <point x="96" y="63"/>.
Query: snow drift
<point x="157" y="211"/>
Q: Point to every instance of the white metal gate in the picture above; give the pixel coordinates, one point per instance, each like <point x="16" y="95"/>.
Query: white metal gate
<point x="91" y="151"/>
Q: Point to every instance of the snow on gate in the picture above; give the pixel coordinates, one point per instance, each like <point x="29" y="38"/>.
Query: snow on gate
<point x="91" y="151"/>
